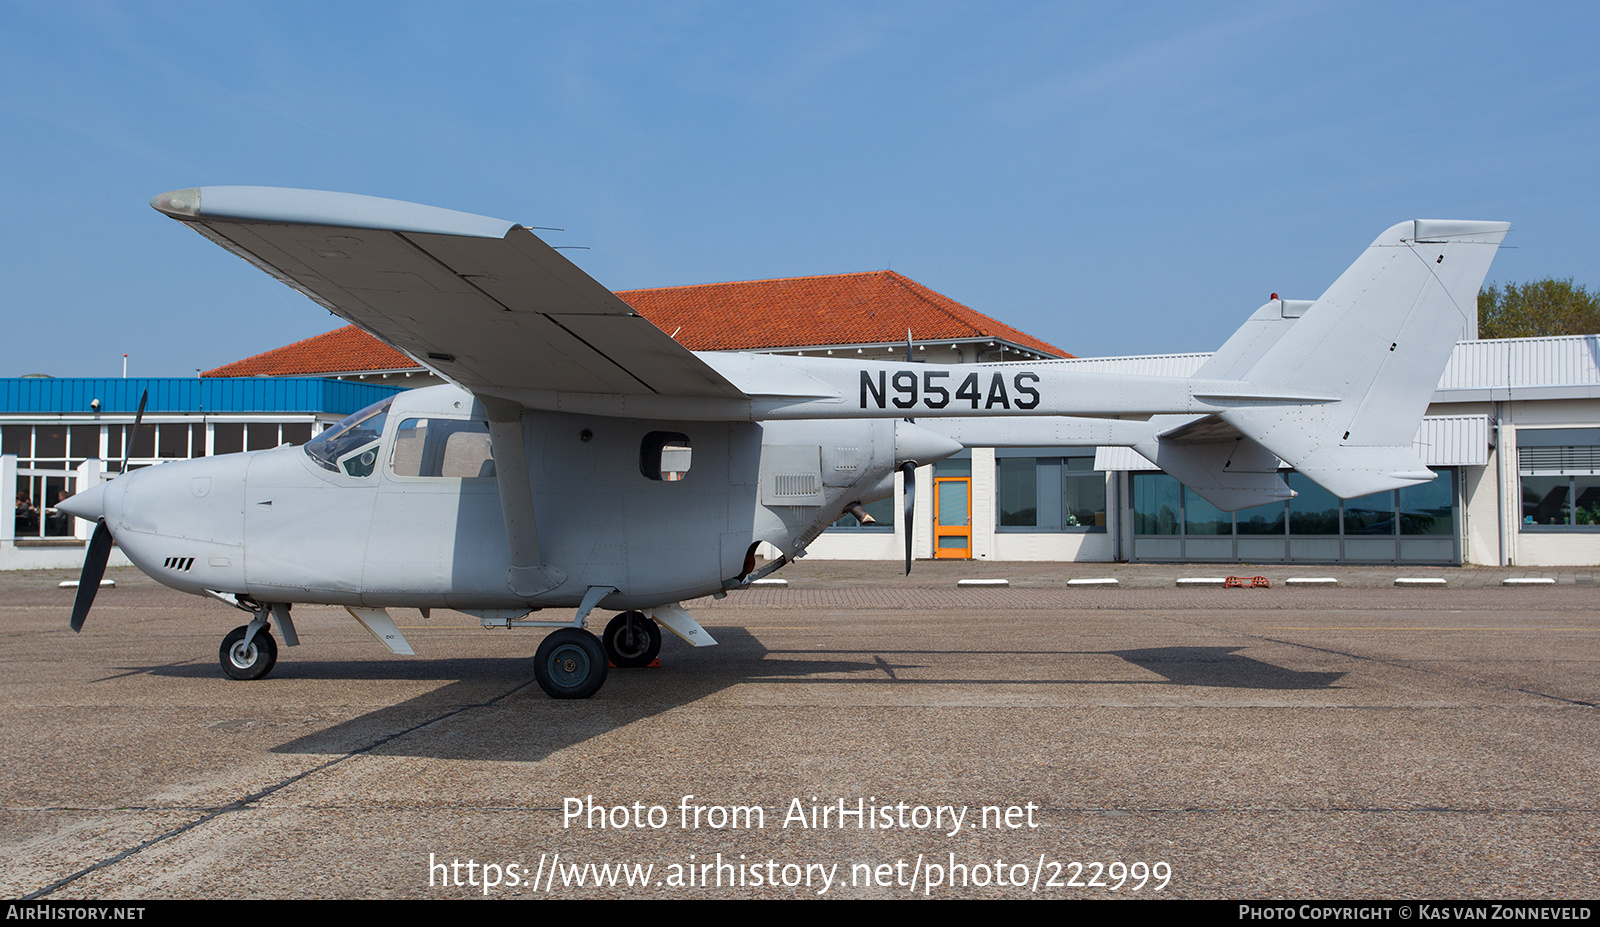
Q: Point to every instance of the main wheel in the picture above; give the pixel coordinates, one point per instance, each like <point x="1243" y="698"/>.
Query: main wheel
<point x="570" y="664"/>
<point x="250" y="662"/>
<point x="631" y="639"/>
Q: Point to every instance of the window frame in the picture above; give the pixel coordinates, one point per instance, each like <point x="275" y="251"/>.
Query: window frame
<point x="1057" y="458"/>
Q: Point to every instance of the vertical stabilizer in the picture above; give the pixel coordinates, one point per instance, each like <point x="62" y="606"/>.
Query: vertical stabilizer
<point x="1378" y="339"/>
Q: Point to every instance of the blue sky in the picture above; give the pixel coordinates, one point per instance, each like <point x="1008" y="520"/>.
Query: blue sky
<point x="1112" y="178"/>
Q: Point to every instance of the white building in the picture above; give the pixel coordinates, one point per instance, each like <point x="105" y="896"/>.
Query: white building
<point x="1513" y="432"/>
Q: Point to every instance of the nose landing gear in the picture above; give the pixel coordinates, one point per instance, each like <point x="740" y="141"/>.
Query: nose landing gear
<point x="251" y="660"/>
<point x="249" y="651"/>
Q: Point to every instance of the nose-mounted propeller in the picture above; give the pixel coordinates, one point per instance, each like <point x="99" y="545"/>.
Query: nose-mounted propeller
<point x="94" y="561"/>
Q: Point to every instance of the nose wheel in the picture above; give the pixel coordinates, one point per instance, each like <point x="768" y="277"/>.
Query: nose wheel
<point x="570" y="664"/>
<point x="252" y="661"/>
<point x="631" y="640"/>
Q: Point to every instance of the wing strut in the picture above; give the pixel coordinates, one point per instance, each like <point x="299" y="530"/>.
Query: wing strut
<point x="528" y="574"/>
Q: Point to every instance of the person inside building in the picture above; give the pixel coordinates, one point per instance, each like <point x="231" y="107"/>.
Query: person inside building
<point x="27" y="515"/>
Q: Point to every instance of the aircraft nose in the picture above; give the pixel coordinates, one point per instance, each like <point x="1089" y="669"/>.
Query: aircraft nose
<point x="89" y="505"/>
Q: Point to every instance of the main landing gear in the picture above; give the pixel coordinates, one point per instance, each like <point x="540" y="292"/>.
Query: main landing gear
<point x="572" y="663"/>
<point x="632" y="640"/>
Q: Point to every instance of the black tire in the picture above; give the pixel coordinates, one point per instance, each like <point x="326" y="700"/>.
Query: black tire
<point x="570" y="664"/>
<point x="632" y="640"/>
<point x="253" y="663"/>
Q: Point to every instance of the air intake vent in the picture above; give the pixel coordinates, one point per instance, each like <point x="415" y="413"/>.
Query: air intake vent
<point x="795" y="484"/>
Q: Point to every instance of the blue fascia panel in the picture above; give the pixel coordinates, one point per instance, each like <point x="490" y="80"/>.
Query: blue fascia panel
<point x="68" y="395"/>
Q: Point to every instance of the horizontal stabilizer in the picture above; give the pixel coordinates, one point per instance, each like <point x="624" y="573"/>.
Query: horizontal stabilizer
<point x="1224" y="467"/>
<point x="1348" y="472"/>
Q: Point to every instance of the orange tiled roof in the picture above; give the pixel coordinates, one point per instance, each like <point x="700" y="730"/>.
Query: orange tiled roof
<point x="343" y="350"/>
<point x="867" y="308"/>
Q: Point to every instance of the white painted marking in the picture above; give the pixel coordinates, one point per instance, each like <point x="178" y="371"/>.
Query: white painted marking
<point x="73" y="584"/>
<point x="1201" y="580"/>
<point x="1107" y="581"/>
<point x="983" y="582"/>
<point x="1527" y="581"/>
<point x="769" y="582"/>
<point x="1418" y="581"/>
<point x="1311" y="581"/>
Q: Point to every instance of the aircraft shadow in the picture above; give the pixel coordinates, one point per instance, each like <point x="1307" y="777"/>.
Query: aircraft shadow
<point x="1221" y="667"/>
<point x="468" y="718"/>
<point x="493" y="710"/>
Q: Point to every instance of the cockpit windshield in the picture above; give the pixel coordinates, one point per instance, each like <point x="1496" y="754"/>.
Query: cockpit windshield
<point x="354" y="432"/>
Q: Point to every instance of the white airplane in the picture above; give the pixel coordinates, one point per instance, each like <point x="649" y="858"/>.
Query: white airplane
<point x="581" y="458"/>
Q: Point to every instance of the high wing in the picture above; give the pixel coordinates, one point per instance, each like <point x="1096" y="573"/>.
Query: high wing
<point x="481" y="301"/>
<point x="1335" y="387"/>
<point x="484" y="302"/>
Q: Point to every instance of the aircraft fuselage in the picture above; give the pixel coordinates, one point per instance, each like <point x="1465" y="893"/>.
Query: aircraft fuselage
<point x="398" y="529"/>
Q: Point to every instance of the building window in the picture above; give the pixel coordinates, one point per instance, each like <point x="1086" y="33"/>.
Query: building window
<point x="1313" y="510"/>
<point x="1428" y="508"/>
<point x="1559" y="469"/>
<point x="1157" y="504"/>
<point x="1164" y="507"/>
<point x="883" y="516"/>
<point x="1038" y="494"/>
<point x="1202" y="519"/>
<point x="47" y="458"/>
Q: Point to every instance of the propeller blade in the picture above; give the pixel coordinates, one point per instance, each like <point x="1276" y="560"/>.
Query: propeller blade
<point x="127" y="447"/>
<point x="910" y="470"/>
<point x="94" y="568"/>
<point x="910" y="359"/>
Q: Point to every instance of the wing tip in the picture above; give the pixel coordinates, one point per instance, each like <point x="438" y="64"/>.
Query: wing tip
<point x="178" y="203"/>
<point x="286" y="206"/>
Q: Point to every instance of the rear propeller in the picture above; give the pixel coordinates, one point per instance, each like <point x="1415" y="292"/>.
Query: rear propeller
<point x="94" y="560"/>
<point x="909" y="468"/>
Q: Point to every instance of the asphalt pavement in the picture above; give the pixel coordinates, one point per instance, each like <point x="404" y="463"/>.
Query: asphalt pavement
<point x="855" y="734"/>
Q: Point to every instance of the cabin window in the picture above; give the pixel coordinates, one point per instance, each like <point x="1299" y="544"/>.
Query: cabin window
<point x="347" y="443"/>
<point x="442" y="447"/>
<point x="664" y="456"/>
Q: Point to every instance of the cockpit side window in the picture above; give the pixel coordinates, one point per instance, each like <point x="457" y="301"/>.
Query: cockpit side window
<point x="442" y="447"/>
<point x="353" y="443"/>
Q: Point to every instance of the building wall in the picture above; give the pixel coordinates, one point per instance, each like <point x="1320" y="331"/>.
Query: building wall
<point x="988" y="543"/>
<point x="1481" y="512"/>
<point x="1574" y="546"/>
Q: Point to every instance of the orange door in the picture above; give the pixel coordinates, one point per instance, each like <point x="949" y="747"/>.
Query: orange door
<point x="952" y="517"/>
